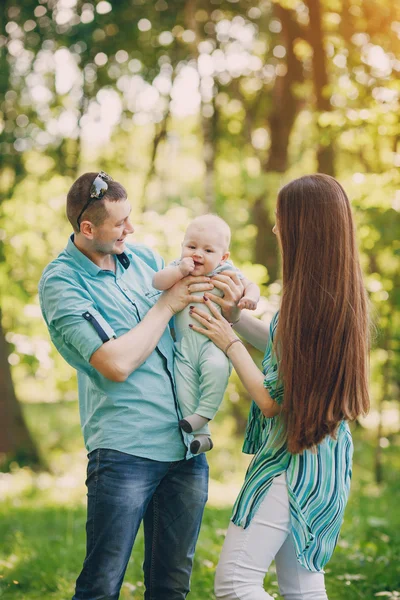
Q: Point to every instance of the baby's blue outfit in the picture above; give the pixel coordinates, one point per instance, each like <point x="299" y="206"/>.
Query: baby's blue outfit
<point x="201" y="369"/>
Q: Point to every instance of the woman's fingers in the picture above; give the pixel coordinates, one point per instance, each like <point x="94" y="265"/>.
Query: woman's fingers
<point x="228" y="278"/>
<point x="202" y="320"/>
<point x="216" y="328"/>
<point x="228" y="274"/>
<point x="222" y="282"/>
<point x="213" y="298"/>
<point x="201" y="313"/>
<point x="200" y="330"/>
<point x="232" y="287"/>
<point x="213" y="309"/>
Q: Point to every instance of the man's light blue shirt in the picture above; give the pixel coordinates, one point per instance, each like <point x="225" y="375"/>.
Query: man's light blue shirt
<point x="84" y="306"/>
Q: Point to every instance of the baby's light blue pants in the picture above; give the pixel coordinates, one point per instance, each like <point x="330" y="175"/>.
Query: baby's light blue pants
<point x="201" y="370"/>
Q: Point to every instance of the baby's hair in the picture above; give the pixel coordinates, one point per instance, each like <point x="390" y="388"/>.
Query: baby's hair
<point x="203" y="220"/>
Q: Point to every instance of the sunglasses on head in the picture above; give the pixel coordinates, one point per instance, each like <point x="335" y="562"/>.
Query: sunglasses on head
<point x="97" y="191"/>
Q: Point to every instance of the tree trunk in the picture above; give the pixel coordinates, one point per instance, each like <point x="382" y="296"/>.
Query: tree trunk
<point x="325" y="152"/>
<point x="160" y="135"/>
<point x="346" y="24"/>
<point x="16" y="443"/>
<point x="385" y="394"/>
<point x="208" y="124"/>
<point x="265" y="251"/>
<point x="281" y="121"/>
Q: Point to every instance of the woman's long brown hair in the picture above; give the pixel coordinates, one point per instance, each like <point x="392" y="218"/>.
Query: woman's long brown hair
<point x="322" y="337"/>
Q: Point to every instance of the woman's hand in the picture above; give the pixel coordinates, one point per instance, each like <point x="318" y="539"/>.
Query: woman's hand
<point x="179" y="295"/>
<point x="218" y="330"/>
<point x="213" y="326"/>
<point x="232" y="287"/>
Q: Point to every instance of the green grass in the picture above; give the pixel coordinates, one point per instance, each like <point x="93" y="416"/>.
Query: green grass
<point x="42" y="523"/>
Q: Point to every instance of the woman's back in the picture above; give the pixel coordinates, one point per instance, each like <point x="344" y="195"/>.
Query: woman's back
<point x="323" y="333"/>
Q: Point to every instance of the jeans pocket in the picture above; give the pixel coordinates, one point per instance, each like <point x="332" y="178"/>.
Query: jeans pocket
<point x="93" y="465"/>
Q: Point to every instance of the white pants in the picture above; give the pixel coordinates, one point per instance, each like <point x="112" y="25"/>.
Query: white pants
<point x="248" y="553"/>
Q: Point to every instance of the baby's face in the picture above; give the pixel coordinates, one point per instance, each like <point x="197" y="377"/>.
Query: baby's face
<point x="206" y="246"/>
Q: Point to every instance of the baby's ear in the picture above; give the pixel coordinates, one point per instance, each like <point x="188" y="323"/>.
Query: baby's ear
<point x="225" y="257"/>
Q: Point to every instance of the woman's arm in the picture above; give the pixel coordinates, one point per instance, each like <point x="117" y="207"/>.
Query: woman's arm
<point x="252" y="379"/>
<point x="218" y="330"/>
<point x="253" y="330"/>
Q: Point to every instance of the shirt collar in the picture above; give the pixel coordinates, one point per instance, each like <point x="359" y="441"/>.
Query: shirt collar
<point x="88" y="265"/>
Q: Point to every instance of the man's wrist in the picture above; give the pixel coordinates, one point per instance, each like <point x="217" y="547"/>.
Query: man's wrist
<point x="164" y="305"/>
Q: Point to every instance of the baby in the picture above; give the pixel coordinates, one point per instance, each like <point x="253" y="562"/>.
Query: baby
<point x="201" y="369"/>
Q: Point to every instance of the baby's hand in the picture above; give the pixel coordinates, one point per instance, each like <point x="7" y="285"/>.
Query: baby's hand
<point x="248" y="303"/>
<point x="186" y="266"/>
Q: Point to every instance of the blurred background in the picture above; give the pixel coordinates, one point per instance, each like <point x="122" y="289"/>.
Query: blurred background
<point x="194" y="106"/>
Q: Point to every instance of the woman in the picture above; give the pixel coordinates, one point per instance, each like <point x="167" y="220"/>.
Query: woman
<point x="314" y="381"/>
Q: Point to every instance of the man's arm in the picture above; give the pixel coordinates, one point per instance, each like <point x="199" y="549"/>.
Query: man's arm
<point x="85" y="338"/>
<point x="118" y="358"/>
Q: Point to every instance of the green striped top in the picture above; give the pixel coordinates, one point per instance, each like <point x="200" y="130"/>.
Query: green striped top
<point x="318" y="481"/>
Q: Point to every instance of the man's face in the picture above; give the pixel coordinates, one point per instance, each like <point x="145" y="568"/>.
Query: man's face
<point x="109" y="237"/>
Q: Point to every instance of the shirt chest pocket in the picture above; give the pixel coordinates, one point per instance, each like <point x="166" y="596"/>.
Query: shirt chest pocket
<point x="151" y="295"/>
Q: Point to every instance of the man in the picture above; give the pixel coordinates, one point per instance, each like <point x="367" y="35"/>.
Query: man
<point x="109" y="323"/>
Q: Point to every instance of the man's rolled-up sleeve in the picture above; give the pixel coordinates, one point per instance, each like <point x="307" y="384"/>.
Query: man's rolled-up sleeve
<point x="71" y="314"/>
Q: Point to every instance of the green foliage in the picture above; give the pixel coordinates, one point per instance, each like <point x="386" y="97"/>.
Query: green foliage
<point x="178" y="100"/>
<point x="90" y="85"/>
<point x="42" y="519"/>
<point x="162" y="95"/>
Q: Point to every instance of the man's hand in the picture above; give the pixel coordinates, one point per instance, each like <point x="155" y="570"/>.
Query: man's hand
<point x="179" y="296"/>
<point x="232" y="287"/>
<point x="186" y="266"/>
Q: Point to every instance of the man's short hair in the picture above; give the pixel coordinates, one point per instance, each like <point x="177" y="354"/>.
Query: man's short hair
<point x="96" y="212"/>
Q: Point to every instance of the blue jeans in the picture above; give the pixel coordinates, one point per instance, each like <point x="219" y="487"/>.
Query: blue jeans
<point x="169" y="497"/>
